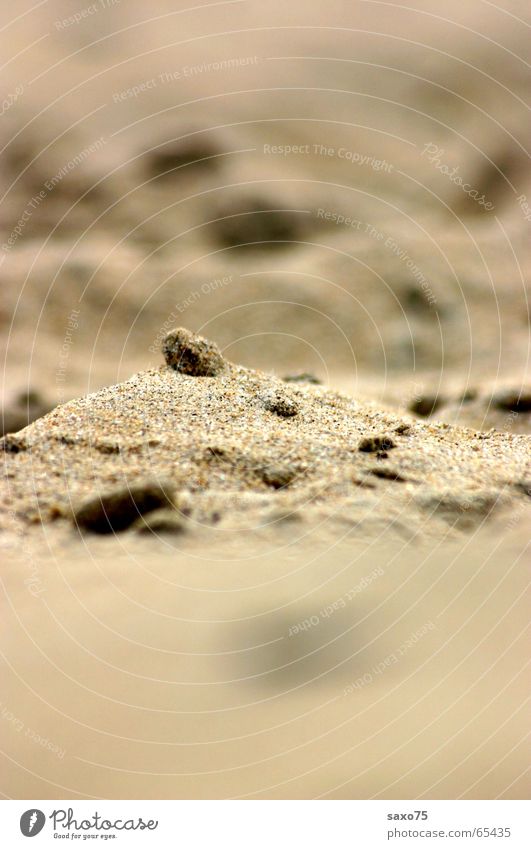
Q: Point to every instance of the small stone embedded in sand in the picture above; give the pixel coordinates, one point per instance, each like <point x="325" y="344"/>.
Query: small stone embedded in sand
<point x="276" y="401"/>
<point x="188" y="353"/>
<point x="105" y="447"/>
<point x="388" y="475"/>
<point x="118" y="509"/>
<point x="279" y="477"/>
<point x="11" y="443"/>
<point x="376" y="443"/>
<point x="305" y="377"/>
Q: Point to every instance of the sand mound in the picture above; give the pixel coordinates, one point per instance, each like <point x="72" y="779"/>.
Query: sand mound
<point x="244" y="448"/>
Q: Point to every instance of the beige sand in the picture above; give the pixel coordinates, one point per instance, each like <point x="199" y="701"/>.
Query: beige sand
<point x="295" y="617"/>
<point x="242" y="447"/>
<point x="270" y="642"/>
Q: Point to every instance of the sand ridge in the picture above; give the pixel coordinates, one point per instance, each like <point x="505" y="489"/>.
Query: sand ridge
<point x="244" y="446"/>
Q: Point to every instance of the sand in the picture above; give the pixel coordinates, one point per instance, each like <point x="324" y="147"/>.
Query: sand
<point x="242" y="447"/>
<point x="211" y="598"/>
<point x="220" y="582"/>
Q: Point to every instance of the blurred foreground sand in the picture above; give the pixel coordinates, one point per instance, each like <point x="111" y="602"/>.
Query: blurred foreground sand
<point x="163" y="670"/>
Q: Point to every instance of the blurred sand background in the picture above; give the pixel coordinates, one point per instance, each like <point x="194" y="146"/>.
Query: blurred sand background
<point x="190" y="165"/>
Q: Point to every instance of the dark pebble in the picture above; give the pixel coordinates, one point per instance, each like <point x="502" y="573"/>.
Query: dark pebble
<point x="513" y="401"/>
<point x="388" y="475"/>
<point x="13" y="444"/>
<point x="280" y="404"/>
<point x="190" y="354"/>
<point x="279" y="477"/>
<point x="425" y="405"/>
<point x="177" y="158"/>
<point x="376" y="443"/>
<point x="403" y="429"/>
<point x="302" y="378"/>
<point x="117" y="510"/>
<point x="107" y="447"/>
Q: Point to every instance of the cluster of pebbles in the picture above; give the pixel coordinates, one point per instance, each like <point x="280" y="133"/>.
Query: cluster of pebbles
<point x="201" y="441"/>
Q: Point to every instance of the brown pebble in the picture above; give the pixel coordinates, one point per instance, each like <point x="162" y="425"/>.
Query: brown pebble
<point x="305" y="377"/>
<point x="513" y="400"/>
<point x="403" y="429"/>
<point x="388" y="475"/>
<point x="277" y="402"/>
<point x="117" y="510"/>
<point x="190" y="354"/>
<point x="425" y="405"/>
<point x="279" y="477"/>
<point x="107" y="447"/>
<point x="13" y="444"/>
<point x="180" y="157"/>
<point x="376" y="443"/>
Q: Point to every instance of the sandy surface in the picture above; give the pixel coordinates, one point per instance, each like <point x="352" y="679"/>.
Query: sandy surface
<point x="245" y="447"/>
<point x="295" y="617"/>
<point x="219" y="610"/>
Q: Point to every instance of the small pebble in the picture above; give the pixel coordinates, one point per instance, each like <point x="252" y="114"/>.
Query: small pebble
<point x="190" y="354"/>
<point x="279" y="477"/>
<point x="305" y="377"/>
<point x="388" y="475"/>
<point x="277" y="402"/>
<point x="403" y="429"/>
<point x="13" y="444"/>
<point x="117" y="510"/>
<point x="376" y="443"/>
<point x="107" y="447"/>
<point x="425" y="405"/>
<point x="513" y="400"/>
<point x="180" y="157"/>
